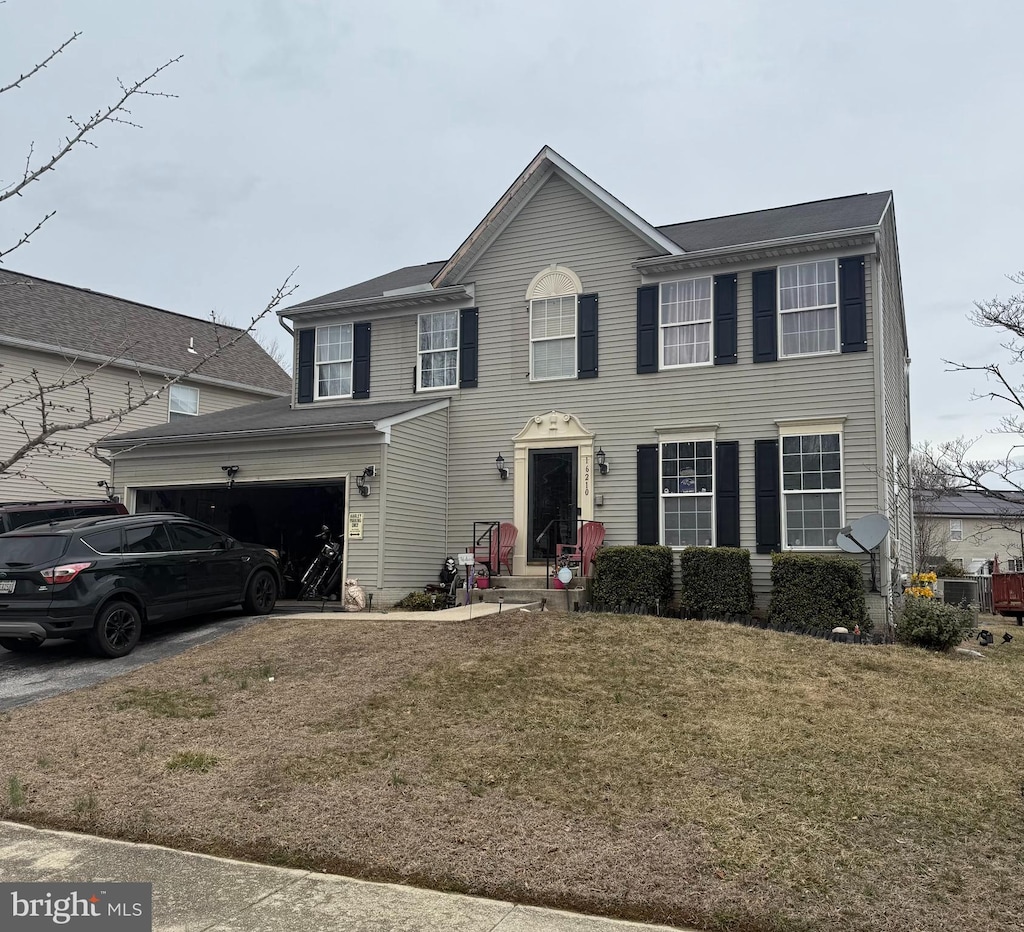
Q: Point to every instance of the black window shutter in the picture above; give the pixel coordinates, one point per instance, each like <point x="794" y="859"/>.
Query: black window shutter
<point x="767" y="503"/>
<point x="360" y="360"/>
<point x="415" y="379"/>
<point x="853" y="312"/>
<point x="469" y="346"/>
<point x="647" y="329"/>
<point x="586" y="336"/>
<point x="647" y="494"/>
<point x="762" y="285"/>
<point x="725" y="320"/>
<point x="727" y="494"/>
<point x="307" y="349"/>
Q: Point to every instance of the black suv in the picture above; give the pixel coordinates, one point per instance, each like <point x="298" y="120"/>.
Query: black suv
<point x="14" y="515"/>
<point x="103" y="578"/>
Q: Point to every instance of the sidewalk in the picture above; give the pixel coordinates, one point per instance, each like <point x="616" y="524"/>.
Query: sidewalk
<point x="197" y="893"/>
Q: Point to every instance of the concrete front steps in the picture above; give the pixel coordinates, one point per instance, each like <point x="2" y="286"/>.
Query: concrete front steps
<point x="519" y="590"/>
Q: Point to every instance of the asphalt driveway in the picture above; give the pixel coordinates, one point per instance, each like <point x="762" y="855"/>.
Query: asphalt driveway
<point x="62" y="666"/>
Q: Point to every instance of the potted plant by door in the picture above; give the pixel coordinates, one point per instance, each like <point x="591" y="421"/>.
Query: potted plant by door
<point x="482" y="579"/>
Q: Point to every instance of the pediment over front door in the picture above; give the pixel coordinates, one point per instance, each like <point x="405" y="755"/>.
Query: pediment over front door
<point x="553" y="427"/>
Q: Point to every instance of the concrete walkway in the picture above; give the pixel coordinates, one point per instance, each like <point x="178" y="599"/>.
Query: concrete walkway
<point x="459" y="613"/>
<point x="196" y="893"/>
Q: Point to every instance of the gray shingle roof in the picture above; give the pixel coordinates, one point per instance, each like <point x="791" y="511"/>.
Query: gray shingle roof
<point x="81" y="321"/>
<point x="408" y="277"/>
<point x="757" y="226"/>
<point x="267" y="417"/>
<point x="973" y="505"/>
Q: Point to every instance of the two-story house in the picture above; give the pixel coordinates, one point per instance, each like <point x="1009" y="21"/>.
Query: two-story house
<point x="736" y="381"/>
<point x="70" y="353"/>
<point x="971" y="529"/>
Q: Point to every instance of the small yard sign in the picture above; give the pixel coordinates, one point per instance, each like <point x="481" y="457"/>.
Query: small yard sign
<point x="355" y="525"/>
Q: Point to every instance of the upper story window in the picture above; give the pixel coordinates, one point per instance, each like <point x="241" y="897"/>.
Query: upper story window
<point x="438" y="355"/>
<point x="956" y="529"/>
<point x="333" y="376"/>
<point x="553" y="295"/>
<point x="687" y="493"/>
<point x="808" y="318"/>
<point x="812" y="489"/>
<point x="182" y="402"/>
<point x="685" y="323"/>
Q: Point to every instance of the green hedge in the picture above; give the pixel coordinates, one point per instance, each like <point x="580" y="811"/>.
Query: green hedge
<point x="420" y="602"/>
<point x="633" y="576"/>
<point x="816" y="593"/>
<point x="928" y="623"/>
<point x="716" y="582"/>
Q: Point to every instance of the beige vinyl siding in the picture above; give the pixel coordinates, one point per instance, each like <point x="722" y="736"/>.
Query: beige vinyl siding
<point x="314" y="456"/>
<point x="623" y="408"/>
<point x="415" y="484"/>
<point x="70" y="472"/>
<point x="897" y="401"/>
<point x="983" y="539"/>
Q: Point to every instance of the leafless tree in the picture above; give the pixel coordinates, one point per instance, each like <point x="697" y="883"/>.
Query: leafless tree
<point x="928" y="483"/>
<point x="56" y="416"/>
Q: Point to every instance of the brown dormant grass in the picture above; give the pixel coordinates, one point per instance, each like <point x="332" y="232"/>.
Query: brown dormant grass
<point x="674" y="771"/>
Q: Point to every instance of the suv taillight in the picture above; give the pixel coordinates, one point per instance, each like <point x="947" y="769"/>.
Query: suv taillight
<point x="59" y="575"/>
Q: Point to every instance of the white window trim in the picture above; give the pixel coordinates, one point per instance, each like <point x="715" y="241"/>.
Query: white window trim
<point x="170" y="391"/>
<point x="662" y="327"/>
<point x="421" y="353"/>
<point x="801" y="430"/>
<point x="316" y="365"/>
<point x="959" y="529"/>
<point x="688" y="438"/>
<point x="796" y="310"/>
<point x="575" y="337"/>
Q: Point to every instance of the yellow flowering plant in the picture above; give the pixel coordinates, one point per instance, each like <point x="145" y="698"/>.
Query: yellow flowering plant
<point x="921" y="585"/>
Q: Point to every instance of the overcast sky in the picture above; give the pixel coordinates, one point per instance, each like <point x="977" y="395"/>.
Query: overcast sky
<point x="349" y="139"/>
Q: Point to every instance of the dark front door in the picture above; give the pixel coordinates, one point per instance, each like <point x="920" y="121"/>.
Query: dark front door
<point x="552" y="501"/>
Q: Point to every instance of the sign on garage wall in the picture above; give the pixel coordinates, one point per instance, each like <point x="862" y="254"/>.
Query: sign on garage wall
<point x="355" y="525"/>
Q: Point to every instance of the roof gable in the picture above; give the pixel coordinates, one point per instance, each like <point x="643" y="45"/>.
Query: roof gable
<point x="545" y="163"/>
<point x="53" y="317"/>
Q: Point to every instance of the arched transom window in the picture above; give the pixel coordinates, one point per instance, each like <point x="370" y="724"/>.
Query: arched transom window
<point x="553" y="295"/>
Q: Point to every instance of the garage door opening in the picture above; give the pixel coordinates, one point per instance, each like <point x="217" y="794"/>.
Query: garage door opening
<point x="284" y="516"/>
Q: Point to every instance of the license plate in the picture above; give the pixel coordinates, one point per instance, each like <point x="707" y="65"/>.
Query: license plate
<point x="6" y="585"/>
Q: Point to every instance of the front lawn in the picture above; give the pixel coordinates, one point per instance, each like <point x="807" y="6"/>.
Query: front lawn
<point x="680" y="772"/>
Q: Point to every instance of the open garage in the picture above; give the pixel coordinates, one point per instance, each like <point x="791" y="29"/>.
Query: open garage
<point x="284" y="515"/>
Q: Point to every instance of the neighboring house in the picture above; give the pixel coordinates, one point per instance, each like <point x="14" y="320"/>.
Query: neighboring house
<point x="744" y="380"/>
<point x="107" y="350"/>
<point x="971" y="529"/>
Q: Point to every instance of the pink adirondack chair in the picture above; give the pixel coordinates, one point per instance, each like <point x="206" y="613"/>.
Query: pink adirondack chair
<point x="591" y="537"/>
<point x="503" y="542"/>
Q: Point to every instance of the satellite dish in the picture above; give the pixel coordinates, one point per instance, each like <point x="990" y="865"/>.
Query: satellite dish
<point x="864" y="534"/>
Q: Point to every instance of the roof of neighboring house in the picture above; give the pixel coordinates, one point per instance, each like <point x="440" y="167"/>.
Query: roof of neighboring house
<point x="833" y="215"/>
<point x="274" y="416"/>
<point x="973" y="505"/>
<point x="758" y="226"/>
<point x="75" y="321"/>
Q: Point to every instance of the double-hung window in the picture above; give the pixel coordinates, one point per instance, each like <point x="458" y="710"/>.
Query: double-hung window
<point x="334" y="361"/>
<point x="553" y="338"/>
<point x="438" y="359"/>
<point x="685" y="322"/>
<point x="812" y="489"/>
<point x="182" y="402"/>
<point x="687" y="493"/>
<point x="956" y="529"/>
<point x="808" y="309"/>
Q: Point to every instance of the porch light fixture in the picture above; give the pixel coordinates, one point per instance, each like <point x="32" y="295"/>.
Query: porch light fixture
<point x="602" y="462"/>
<point x="368" y="473"/>
<point x="230" y="472"/>
<point x="502" y="469"/>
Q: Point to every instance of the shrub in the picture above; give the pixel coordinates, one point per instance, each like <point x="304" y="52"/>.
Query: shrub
<point x="816" y="593"/>
<point x="419" y="602"/>
<point x="932" y="624"/>
<point x="633" y="576"/>
<point x="716" y="582"/>
<point x="947" y="569"/>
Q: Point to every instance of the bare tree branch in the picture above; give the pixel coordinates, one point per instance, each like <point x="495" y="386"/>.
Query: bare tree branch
<point x="40" y="66"/>
<point x="25" y="237"/>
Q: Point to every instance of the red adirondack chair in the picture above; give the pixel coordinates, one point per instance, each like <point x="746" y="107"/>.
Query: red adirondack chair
<point x="591" y="537"/>
<point x="503" y="542"/>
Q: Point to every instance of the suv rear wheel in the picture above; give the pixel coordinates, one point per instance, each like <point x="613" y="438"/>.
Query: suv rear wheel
<point x="117" y="630"/>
